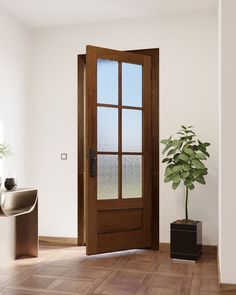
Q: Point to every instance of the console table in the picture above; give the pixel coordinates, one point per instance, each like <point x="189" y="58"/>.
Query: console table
<point x="19" y="214"/>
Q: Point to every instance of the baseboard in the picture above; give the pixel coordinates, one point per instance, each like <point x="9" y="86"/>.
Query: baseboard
<point x="57" y="241"/>
<point x="163" y="247"/>
<point x="228" y="288"/>
<point x="206" y="249"/>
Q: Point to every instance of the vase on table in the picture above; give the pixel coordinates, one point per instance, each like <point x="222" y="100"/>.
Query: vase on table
<point x="10" y="183"/>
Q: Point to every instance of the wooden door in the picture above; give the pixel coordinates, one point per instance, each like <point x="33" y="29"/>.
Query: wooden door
<point x="119" y="155"/>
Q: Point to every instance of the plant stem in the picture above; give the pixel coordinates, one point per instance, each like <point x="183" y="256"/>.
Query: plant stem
<point x="186" y="204"/>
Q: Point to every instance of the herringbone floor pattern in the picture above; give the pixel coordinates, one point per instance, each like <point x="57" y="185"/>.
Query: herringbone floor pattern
<point x="68" y="270"/>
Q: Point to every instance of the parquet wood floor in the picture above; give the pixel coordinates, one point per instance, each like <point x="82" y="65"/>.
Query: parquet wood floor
<point x="68" y="270"/>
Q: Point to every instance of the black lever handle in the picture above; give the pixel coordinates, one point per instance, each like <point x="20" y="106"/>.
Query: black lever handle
<point x="93" y="162"/>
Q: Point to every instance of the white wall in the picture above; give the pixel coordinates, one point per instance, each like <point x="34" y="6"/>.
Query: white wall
<point x="14" y="56"/>
<point x="227" y="201"/>
<point x="14" y="51"/>
<point x="188" y="95"/>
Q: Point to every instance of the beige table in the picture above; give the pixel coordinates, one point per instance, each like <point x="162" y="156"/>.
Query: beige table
<point x="19" y="216"/>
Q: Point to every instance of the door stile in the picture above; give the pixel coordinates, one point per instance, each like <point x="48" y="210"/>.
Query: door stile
<point x="119" y="131"/>
<point x="82" y="150"/>
<point x="91" y="92"/>
<point x="147" y="149"/>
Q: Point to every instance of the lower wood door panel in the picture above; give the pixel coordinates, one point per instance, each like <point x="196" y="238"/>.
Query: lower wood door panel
<point x="120" y="220"/>
<point x="116" y="241"/>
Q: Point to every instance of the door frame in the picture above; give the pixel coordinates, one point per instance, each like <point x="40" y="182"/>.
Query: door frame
<point x="82" y="169"/>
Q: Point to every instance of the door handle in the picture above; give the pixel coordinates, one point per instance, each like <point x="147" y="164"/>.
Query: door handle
<point x="93" y="162"/>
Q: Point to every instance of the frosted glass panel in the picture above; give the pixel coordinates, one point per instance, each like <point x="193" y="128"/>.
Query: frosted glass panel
<point x="107" y="181"/>
<point x="131" y="130"/>
<point x="131" y="177"/>
<point x="107" y="124"/>
<point x="131" y="84"/>
<point x="107" y="81"/>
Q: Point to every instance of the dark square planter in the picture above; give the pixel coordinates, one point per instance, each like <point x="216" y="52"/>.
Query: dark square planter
<point x="186" y="240"/>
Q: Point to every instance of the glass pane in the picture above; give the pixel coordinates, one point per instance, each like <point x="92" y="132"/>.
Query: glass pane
<point x="107" y="124"/>
<point x="131" y="84"/>
<point x="107" y="81"/>
<point x="107" y="182"/>
<point x="131" y="130"/>
<point x="131" y="177"/>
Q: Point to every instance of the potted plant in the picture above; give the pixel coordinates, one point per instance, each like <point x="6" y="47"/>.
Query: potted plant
<point x="4" y="152"/>
<point x="184" y="157"/>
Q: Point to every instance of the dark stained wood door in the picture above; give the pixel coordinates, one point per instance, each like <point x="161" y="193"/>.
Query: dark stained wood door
<point x="119" y="150"/>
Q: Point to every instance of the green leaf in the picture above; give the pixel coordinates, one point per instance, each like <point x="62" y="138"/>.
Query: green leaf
<point x="183" y="127"/>
<point x="188" y="151"/>
<point x="184" y="138"/>
<point x="176" y="178"/>
<point x="192" y="156"/>
<point x="206" y="144"/>
<point x="167" y="179"/>
<point x="191" y="187"/>
<point x="181" y="133"/>
<point x="190" y="131"/>
<point x="207" y="154"/>
<point x="196" y="172"/>
<point x="169" y="145"/>
<point x="177" y="168"/>
<point x="201" y="180"/>
<point x="202" y="148"/>
<point x="176" y="158"/>
<point x="175" y="185"/>
<point x="180" y="143"/>
<point x="186" y="167"/>
<point x="188" y="182"/>
<point x="191" y="176"/>
<point x="171" y="152"/>
<point x="168" y="171"/>
<point x="165" y="160"/>
<point x="184" y="175"/>
<point x="190" y="127"/>
<point x="184" y="157"/>
<point x="197" y="164"/>
<point x="203" y="171"/>
<point x="188" y="144"/>
<point x="164" y="141"/>
<point x="175" y="142"/>
<point x="171" y="166"/>
<point x="200" y="156"/>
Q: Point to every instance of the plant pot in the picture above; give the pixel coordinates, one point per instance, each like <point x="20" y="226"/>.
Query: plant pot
<point x="186" y="239"/>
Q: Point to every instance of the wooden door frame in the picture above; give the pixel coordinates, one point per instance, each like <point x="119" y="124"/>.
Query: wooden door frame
<point x="154" y="53"/>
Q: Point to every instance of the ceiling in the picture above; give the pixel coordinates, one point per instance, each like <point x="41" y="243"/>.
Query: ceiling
<point x="44" y="13"/>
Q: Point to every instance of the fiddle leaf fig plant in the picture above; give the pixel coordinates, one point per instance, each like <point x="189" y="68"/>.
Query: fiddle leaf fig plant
<point x="5" y="150"/>
<point x="184" y="157"/>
